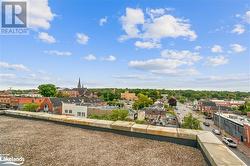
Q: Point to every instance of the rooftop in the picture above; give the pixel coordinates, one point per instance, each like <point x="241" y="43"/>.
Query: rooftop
<point x="47" y="143"/>
<point x="122" y="151"/>
<point x="241" y="120"/>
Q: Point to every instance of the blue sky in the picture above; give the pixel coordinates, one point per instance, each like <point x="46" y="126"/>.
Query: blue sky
<point x="173" y="44"/>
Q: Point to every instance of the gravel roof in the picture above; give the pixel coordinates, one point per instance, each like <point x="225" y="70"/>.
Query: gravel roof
<point x="47" y="143"/>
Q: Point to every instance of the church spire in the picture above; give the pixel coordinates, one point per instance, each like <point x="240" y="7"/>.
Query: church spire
<point x="79" y="83"/>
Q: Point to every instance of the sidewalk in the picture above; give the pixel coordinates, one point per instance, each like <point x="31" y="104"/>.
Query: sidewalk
<point x="244" y="149"/>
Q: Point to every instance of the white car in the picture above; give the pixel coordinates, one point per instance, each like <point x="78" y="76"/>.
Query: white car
<point x="229" y="142"/>
<point x="217" y="132"/>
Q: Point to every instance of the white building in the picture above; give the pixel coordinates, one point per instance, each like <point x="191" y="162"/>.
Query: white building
<point x="74" y="110"/>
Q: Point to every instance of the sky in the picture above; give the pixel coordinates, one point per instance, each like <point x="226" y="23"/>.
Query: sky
<point x="171" y="44"/>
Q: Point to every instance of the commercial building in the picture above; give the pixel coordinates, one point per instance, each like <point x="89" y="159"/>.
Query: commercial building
<point x="74" y="110"/>
<point x="210" y="107"/>
<point x="235" y="125"/>
<point x="228" y="103"/>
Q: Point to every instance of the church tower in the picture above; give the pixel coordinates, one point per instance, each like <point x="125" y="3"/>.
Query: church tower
<point x="79" y="84"/>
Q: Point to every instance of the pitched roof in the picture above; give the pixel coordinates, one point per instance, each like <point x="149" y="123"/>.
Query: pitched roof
<point x="56" y="101"/>
<point x="73" y="100"/>
<point x="26" y="100"/>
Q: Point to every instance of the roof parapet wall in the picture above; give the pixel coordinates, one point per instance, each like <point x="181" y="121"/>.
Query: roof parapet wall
<point x="214" y="150"/>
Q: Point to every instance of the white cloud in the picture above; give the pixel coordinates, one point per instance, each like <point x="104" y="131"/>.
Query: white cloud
<point x="177" y="72"/>
<point x="246" y="17"/>
<point x="17" y="67"/>
<point x="39" y="14"/>
<point x="58" y="53"/>
<point x="45" y="37"/>
<point x="237" y="48"/>
<point x="90" y="57"/>
<point x="234" y="77"/>
<point x="217" y="61"/>
<point x="109" y="58"/>
<point x="216" y="49"/>
<point x="130" y="20"/>
<point x="171" y="62"/>
<point x="155" y="26"/>
<point x="135" y="77"/>
<point x="82" y="38"/>
<point x="156" y="64"/>
<point x="155" y="12"/>
<point x="239" y="29"/>
<point x="147" y="44"/>
<point x="168" y="26"/>
<point x="103" y="21"/>
<point x="163" y="66"/>
<point x="197" y="48"/>
<point x="184" y="55"/>
<point x="7" y="76"/>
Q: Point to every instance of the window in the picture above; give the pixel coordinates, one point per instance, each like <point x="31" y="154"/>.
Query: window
<point x="70" y="111"/>
<point x="66" y="111"/>
<point x="78" y="113"/>
<point x="83" y="114"/>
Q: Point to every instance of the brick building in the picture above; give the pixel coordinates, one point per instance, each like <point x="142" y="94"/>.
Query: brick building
<point x="235" y="125"/>
<point x="210" y="107"/>
<point x="8" y="102"/>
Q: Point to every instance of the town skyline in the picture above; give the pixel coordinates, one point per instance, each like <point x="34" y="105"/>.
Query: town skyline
<point x="139" y="44"/>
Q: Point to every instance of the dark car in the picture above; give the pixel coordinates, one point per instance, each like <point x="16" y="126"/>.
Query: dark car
<point x="208" y="117"/>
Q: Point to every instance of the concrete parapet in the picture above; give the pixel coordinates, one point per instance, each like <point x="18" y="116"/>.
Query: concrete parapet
<point x="214" y="150"/>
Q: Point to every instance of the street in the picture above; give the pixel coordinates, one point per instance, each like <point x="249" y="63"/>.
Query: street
<point x="182" y="110"/>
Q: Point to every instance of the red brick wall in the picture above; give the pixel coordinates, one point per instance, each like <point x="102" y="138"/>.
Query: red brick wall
<point x="247" y="134"/>
<point x="48" y="102"/>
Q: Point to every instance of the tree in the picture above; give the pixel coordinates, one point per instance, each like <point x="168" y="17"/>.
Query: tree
<point x="191" y="122"/>
<point x="119" y="115"/>
<point x="31" y="107"/>
<point x="244" y="109"/>
<point x="143" y="101"/>
<point x="47" y="90"/>
<point x="115" y="115"/>
<point x="60" y="94"/>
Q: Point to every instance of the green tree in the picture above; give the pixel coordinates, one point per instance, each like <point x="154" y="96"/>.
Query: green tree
<point x="119" y="115"/>
<point x="115" y="115"/>
<point x="143" y="101"/>
<point x="61" y="94"/>
<point x="47" y="90"/>
<point x="191" y="122"/>
<point x="244" y="109"/>
<point x="31" y="107"/>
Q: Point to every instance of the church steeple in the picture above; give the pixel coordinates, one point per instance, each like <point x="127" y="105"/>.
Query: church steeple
<point x="79" y="83"/>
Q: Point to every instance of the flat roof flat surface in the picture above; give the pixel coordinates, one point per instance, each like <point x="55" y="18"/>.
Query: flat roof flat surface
<point x="47" y="143"/>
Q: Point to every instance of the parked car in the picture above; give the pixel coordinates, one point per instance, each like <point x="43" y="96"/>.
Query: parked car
<point x="208" y="117"/>
<point x="206" y="124"/>
<point x="217" y="132"/>
<point x="229" y="142"/>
